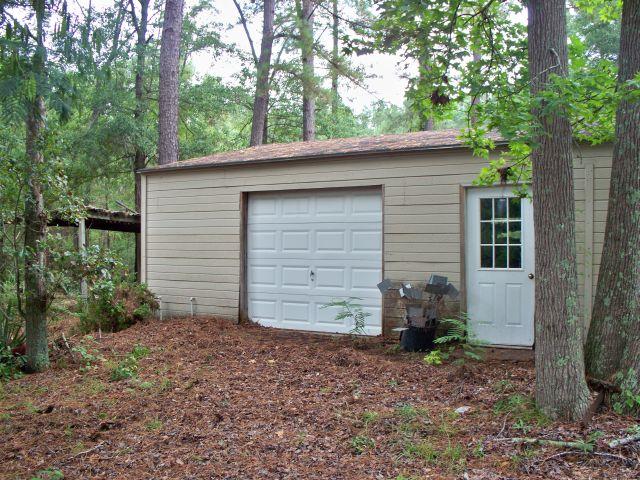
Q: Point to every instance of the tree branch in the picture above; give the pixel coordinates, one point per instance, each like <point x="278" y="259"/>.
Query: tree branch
<point x="243" y="20"/>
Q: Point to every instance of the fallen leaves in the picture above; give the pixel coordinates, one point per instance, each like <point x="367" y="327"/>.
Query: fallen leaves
<point x="216" y="400"/>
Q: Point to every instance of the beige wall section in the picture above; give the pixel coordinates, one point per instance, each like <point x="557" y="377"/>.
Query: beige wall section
<point x="191" y="221"/>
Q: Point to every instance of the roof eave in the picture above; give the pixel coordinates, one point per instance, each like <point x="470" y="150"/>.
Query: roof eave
<point x="177" y="167"/>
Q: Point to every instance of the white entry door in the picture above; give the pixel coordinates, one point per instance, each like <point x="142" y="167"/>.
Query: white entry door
<point x="500" y="266"/>
<point x="305" y="249"/>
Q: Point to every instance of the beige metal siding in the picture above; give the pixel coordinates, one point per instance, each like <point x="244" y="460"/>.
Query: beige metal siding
<point x="191" y="228"/>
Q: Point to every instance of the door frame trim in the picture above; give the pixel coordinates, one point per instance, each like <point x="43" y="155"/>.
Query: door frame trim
<point x="464" y="188"/>
<point x="243" y="297"/>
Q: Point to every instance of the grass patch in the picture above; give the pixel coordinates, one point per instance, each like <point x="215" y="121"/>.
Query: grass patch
<point x="49" y="474"/>
<point x="424" y="450"/>
<point x="369" y="417"/>
<point x="154" y="425"/>
<point x="362" y="443"/>
<point x="407" y="411"/>
<point x="523" y="410"/>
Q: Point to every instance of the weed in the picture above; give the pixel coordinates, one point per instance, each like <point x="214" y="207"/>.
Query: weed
<point x="393" y="349"/>
<point x="139" y="351"/>
<point x="369" y="417"/>
<point x="454" y="457"/>
<point x="325" y="390"/>
<point x="445" y="426"/>
<point x="94" y="386"/>
<point x="78" y="447"/>
<point x="478" y="450"/>
<point x="527" y="453"/>
<point x="503" y="386"/>
<point x="392" y="383"/>
<point x="409" y="412"/>
<point x="49" y="474"/>
<point x="424" y="450"/>
<point x="153" y="425"/>
<point x="88" y="359"/>
<point x="301" y="438"/>
<point x="145" y="385"/>
<point x="165" y="384"/>
<point x="68" y="431"/>
<point x="353" y="312"/>
<point x="361" y="443"/>
<point x="128" y="366"/>
<point x="434" y="357"/>
<point x="523" y="410"/>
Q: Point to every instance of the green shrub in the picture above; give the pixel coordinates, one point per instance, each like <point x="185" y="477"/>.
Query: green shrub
<point x="114" y="307"/>
<point x="11" y="337"/>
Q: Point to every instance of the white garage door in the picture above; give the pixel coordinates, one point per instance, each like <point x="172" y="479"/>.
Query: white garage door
<point x="307" y="248"/>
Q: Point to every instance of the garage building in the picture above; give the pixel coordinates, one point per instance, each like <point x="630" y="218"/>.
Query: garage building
<point x="272" y="233"/>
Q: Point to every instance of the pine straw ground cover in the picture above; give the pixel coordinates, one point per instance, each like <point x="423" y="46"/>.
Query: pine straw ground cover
<point x="206" y="399"/>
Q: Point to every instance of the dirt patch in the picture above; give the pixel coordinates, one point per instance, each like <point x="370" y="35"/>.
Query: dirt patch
<point x="207" y="399"/>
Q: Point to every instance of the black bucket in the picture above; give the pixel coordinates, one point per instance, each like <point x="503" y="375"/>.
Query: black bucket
<point x="417" y="339"/>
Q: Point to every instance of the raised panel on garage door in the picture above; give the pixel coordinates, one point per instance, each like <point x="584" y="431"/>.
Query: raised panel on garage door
<point x="305" y="249"/>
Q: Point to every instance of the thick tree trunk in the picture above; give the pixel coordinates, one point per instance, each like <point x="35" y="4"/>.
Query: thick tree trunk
<point x="139" y="156"/>
<point x="613" y="342"/>
<point x="169" y="82"/>
<point x="35" y="218"/>
<point x="561" y="389"/>
<point x="308" y="74"/>
<point x="335" y="58"/>
<point x="261" y="98"/>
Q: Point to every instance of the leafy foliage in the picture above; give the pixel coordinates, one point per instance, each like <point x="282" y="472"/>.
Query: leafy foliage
<point x="457" y="334"/>
<point x="114" y="306"/>
<point x="350" y="311"/>
<point x="11" y="337"/>
<point x="128" y="367"/>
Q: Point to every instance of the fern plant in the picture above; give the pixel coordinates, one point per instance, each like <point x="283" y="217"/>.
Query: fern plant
<point x="458" y="334"/>
<point x="352" y="311"/>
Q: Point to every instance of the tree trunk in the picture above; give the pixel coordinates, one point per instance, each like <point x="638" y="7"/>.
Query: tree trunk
<point x="561" y="389"/>
<point x="613" y="342"/>
<point x="308" y="78"/>
<point x="35" y="218"/>
<point x="139" y="156"/>
<point x="261" y="98"/>
<point x="425" y="83"/>
<point x="335" y="59"/>
<point x="428" y="124"/>
<point x="169" y="82"/>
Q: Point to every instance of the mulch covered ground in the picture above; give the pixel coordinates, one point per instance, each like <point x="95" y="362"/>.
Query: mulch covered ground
<point x="215" y="400"/>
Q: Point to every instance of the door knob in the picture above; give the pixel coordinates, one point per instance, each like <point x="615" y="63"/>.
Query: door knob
<point x="531" y="275"/>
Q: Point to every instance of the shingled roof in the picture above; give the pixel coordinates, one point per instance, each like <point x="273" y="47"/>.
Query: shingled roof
<point x="337" y="147"/>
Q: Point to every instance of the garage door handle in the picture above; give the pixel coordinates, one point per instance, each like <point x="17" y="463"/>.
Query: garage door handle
<point x="312" y="275"/>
